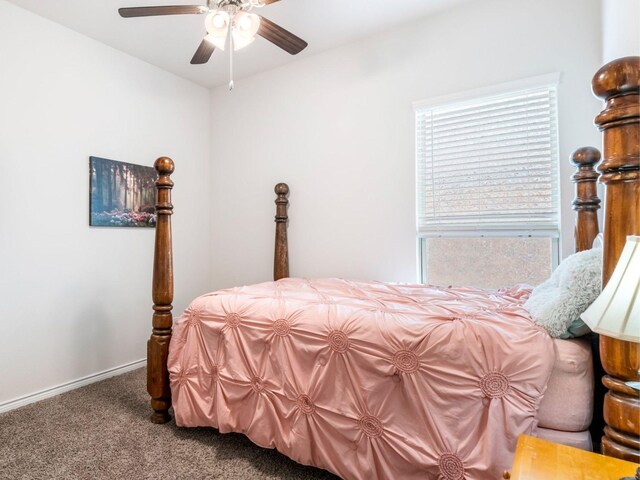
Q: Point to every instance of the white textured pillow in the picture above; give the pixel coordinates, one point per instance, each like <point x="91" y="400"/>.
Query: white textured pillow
<point x="559" y="301"/>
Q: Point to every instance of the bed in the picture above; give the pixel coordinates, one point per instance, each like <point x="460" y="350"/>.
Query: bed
<point x="374" y="380"/>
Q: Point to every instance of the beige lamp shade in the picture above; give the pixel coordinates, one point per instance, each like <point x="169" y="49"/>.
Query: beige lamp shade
<point x="616" y="312"/>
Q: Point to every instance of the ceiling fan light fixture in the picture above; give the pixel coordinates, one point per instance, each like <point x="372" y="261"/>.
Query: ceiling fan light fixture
<point x="217" y="25"/>
<point x="217" y="20"/>
<point x="247" y="22"/>
<point x="245" y="27"/>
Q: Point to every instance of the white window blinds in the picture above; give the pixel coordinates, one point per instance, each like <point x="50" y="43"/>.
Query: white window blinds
<point x="489" y="165"/>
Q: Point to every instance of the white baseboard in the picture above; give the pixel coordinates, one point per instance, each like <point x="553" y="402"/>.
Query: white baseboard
<point x="65" y="387"/>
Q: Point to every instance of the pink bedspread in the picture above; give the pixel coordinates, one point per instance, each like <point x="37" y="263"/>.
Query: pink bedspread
<point x="367" y="380"/>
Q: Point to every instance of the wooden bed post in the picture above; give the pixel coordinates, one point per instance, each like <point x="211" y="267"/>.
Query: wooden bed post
<point x="158" y="345"/>
<point x="587" y="204"/>
<point x="586" y="201"/>
<point x="618" y="83"/>
<point x="281" y="257"/>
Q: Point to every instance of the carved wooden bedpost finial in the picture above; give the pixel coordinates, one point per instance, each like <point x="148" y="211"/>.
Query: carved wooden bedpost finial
<point x="618" y="83"/>
<point x="158" y="345"/>
<point x="281" y="257"/>
<point x="586" y="201"/>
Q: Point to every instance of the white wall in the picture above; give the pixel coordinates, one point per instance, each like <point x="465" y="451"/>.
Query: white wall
<point x="76" y="300"/>
<point x="620" y="28"/>
<point x="339" y="128"/>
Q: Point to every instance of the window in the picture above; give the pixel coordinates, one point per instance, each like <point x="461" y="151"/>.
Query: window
<point x="487" y="186"/>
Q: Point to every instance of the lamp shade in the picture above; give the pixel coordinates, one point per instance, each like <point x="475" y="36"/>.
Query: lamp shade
<point x="616" y="312"/>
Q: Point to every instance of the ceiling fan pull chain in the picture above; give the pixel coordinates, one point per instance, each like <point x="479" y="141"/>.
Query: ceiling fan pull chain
<point x="230" y="59"/>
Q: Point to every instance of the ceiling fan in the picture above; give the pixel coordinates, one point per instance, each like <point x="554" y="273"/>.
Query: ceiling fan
<point x="228" y="22"/>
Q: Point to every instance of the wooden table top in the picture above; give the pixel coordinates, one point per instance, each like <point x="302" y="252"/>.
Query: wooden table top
<point x="538" y="459"/>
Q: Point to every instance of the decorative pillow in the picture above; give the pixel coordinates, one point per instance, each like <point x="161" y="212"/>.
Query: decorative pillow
<point x="557" y="303"/>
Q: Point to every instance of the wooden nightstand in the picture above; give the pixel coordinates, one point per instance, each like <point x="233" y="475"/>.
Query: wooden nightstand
<point x="541" y="460"/>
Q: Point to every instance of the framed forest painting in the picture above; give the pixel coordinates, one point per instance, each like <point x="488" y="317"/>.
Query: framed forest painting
<point x="122" y="194"/>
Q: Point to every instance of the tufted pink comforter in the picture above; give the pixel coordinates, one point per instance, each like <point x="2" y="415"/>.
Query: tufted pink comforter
<point x="367" y="380"/>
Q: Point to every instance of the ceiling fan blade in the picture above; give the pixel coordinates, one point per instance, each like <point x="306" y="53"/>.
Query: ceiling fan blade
<point x="281" y="37"/>
<point x="129" y="12"/>
<point x="203" y="53"/>
<point x="269" y="2"/>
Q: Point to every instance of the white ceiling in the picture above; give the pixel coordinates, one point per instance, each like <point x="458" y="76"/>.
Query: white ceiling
<point x="169" y="42"/>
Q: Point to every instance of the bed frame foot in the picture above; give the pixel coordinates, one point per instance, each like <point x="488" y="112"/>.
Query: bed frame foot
<point x="160" y="410"/>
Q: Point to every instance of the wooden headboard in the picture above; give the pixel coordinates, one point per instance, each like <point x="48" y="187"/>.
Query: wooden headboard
<point x="618" y="83"/>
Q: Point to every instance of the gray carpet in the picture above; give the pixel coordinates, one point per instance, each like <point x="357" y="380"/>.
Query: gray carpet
<point x="103" y="431"/>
